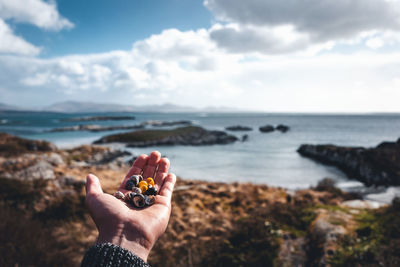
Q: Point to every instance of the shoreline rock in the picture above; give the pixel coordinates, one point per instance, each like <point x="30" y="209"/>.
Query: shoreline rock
<point x="270" y="128"/>
<point x="266" y="128"/>
<point x="12" y="145"/>
<point x="371" y="166"/>
<point x="238" y="128"/>
<point x="282" y="128"/>
<point x="191" y="135"/>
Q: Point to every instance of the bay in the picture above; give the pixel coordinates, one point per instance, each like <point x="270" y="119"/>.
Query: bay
<point x="268" y="158"/>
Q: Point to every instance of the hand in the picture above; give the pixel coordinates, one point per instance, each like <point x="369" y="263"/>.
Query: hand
<point x="124" y="225"/>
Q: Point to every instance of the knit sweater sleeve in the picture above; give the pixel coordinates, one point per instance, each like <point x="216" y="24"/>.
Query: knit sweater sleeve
<point x="107" y="254"/>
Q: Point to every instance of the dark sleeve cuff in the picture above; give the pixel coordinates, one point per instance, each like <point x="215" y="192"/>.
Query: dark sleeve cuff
<point x="107" y="254"/>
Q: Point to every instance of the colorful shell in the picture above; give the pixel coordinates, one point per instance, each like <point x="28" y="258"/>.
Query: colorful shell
<point x="151" y="191"/>
<point x="138" y="200"/>
<point x="119" y="195"/>
<point x="129" y="185"/>
<point x="136" y="190"/>
<point x="150" y="200"/>
<point x="143" y="183"/>
<point x="143" y="188"/>
<point x="136" y="179"/>
<point x="150" y="181"/>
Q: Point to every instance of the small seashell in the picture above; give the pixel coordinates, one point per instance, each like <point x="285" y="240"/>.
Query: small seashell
<point x="129" y="184"/>
<point x="143" y="188"/>
<point x="138" y="200"/>
<point x="149" y="200"/>
<point x="119" y="195"/>
<point x="136" y="190"/>
<point x="151" y="191"/>
<point x="136" y="179"/>
<point x="129" y="196"/>
<point x="150" y="181"/>
<point x="143" y="183"/>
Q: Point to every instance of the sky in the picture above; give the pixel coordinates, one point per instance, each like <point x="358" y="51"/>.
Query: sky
<point x="264" y="55"/>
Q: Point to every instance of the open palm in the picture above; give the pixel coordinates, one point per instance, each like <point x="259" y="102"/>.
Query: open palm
<point x="122" y="224"/>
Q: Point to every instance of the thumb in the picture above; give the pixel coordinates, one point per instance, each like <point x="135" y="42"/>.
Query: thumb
<point x="93" y="186"/>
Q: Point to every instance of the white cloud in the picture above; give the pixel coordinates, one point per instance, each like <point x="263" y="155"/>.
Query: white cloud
<point x="265" y="25"/>
<point x="152" y="72"/>
<point x="42" y="14"/>
<point x="242" y="61"/>
<point x="374" y="43"/>
<point x="37" y="12"/>
<point x="10" y="43"/>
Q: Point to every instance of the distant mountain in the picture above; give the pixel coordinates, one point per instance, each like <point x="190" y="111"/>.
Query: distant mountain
<point x="92" y="107"/>
<point x="221" y="109"/>
<point x="78" y="107"/>
<point x="8" y="107"/>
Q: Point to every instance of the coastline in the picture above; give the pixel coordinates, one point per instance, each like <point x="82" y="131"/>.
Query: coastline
<point x="45" y="187"/>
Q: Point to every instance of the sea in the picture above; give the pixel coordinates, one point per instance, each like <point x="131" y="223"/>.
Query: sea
<point x="265" y="158"/>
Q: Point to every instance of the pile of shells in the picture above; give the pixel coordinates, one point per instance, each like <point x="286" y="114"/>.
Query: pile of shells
<point x="141" y="192"/>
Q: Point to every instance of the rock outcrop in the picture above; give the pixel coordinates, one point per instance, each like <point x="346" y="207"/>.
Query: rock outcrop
<point x="282" y="128"/>
<point x="266" y="129"/>
<point x="269" y="128"/>
<point x="191" y="135"/>
<point x="371" y="166"/>
<point x="13" y="146"/>
<point x="238" y="128"/>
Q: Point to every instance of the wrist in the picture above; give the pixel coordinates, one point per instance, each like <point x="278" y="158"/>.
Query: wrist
<point x="132" y="242"/>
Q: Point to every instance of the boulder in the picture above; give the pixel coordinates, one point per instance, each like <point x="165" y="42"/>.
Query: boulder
<point x="282" y="128"/>
<point x="267" y="129"/>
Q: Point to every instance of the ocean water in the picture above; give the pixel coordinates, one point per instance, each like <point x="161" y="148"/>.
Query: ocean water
<point x="268" y="158"/>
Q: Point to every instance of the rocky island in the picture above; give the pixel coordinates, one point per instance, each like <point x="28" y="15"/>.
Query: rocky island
<point x="155" y="123"/>
<point x="95" y="128"/>
<point x="212" y="224"/>
<point x="188" y="136"/>
<point x="372" y="166"/>
<point x="238" y="128"/>
<point x="270" y="128"/>
<point x="266" y="128"/>
<point x="99" y="128"/>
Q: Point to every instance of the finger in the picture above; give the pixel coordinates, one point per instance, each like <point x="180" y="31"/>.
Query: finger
<point x="168" y="186"/>
<point x="152" y="163"/>
<point x="137" y="168"/>
<point x="162" y="171"/>
<point x="93" y="186"/>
